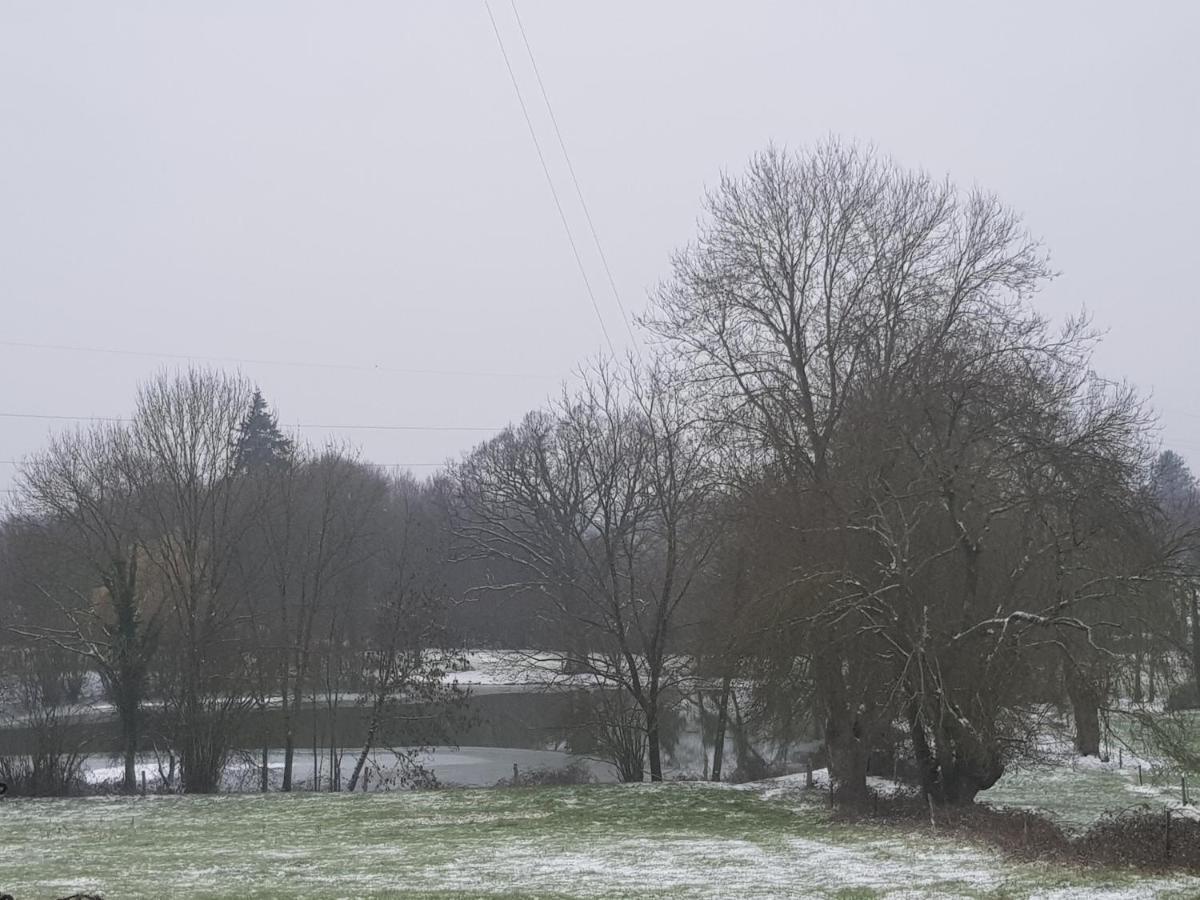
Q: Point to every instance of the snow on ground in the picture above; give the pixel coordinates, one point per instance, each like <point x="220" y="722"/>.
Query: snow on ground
<point x="682" y="840"/>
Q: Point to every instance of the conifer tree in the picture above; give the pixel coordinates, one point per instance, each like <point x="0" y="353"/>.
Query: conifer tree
<point x="260" y="443"/>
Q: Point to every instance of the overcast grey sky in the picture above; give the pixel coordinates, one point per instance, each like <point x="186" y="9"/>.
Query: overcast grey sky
<point x="353" y="184"/>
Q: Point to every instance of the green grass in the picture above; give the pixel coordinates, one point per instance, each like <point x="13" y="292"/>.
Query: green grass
<point x="603" y="841"/>
<point x="1077" y="795"/>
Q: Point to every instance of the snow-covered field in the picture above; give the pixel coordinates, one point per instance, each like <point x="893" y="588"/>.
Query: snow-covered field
<point x="671" y="840"/>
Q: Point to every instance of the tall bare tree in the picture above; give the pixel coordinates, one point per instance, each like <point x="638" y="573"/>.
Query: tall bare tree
<point x="861" y="334"/>
<point x="184" y="440"/>
<point x="80" y="501"/>
<point x="318" y="520"/>
<point x="599" y="504"/>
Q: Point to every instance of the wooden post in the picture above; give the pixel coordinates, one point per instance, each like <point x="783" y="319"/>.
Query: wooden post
<point x="1120" y="757"/>
<point x="144" y="783"/>
<point x="808" y="773"/>
<point x="1183" y="788"/>
<point x="1139" y="773"/>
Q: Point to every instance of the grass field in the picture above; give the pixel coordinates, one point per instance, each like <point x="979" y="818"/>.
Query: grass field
<point x="673" y="840"/>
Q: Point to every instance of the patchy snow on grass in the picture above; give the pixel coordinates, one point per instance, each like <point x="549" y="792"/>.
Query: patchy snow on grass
<point x="687" y="840"/>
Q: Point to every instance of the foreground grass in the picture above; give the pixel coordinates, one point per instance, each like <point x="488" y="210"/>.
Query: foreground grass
<point x="678" y="840"/>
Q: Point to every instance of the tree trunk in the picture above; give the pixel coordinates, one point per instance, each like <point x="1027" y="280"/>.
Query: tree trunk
<point x="722" y="721"/>
<point x="1085" y="706"/>
<point x="368" y="743"/>
<point x="1196" y="637"/>
<point x="129" y="739"/>
<point x="653" y="743"/>
<point x="1138" y="661"/>
<point x="844" y="741"/>
<point x="316" y="785"/>
<point x="289" y="756"/>
<point x="847" y="757"/>
<point x="289" y="735"/>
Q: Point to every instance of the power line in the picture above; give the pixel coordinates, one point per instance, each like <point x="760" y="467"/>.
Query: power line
<point x="549" y="180"/>
<point x="269" y="362"/>
<point x="373" y="465"/>
<point x="8" y="415"/>
<point x="401" y="427"/>
<point x="574" y="178"/>
<point x="339" y="427"/>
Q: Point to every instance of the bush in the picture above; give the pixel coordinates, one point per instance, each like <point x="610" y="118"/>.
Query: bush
<point x="1141" y="838"/>
<point x="1183" y="696"/>
<point x="1145" y="838"/>
<point x="575" y="773"/>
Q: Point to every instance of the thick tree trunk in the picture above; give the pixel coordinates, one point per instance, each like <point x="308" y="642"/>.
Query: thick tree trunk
<point x="1085" y="706"/>
<point x="722" y="722"/>
<point x="289" y="756"/>
<point x="653" y="743"/>
<point x="845" y="743"/>
<point x="847" y="757"/>
<point x="129" y="742"/>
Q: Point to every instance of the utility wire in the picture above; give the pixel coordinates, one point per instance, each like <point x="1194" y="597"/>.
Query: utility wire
<point x="268" y="362"/>
<point x="587" y="214"/>
<point x="549" y="180"/>
<point x="399" y="465"/>
<point x="11" y="415"/>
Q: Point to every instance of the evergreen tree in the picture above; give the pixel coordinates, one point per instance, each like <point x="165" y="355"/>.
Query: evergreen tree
<point x="260" y="443"/>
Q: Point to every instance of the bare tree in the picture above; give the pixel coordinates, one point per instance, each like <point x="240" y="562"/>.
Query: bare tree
<point x="408" y="657"/>
<point x="600" y="505"/>
<point x="81" y="502"/>
<point x="184" y="440"/>
<point x="318" y="521"/>
<point x="906" y="429"/>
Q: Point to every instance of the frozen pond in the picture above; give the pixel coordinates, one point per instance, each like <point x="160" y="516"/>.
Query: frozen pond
<point x="467" y="766"/>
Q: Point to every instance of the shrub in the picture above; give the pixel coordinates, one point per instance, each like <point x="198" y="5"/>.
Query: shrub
<point x="575" y="773"/>
<point x="1145" y="838"/>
